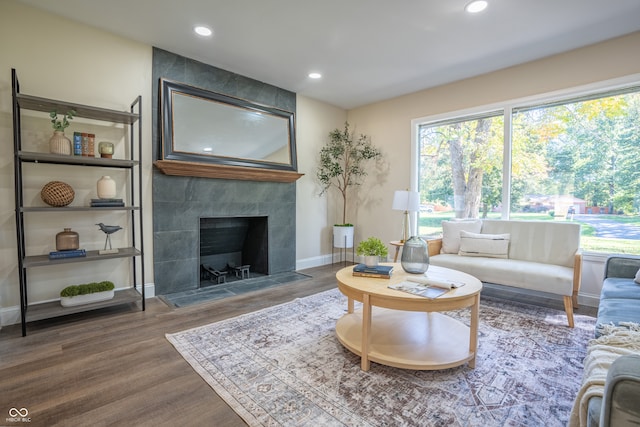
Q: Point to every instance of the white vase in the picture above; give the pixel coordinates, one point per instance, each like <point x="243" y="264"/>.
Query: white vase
<point x="343" y="236"/>
<point x="371" y="260"/>
<point x="106" y="188"/>
<point x="60" y="144"/>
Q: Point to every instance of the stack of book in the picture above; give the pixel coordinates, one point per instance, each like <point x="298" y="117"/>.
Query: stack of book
<point x="107" y="203"/>
<point x="74" y="253"/>
<point x="379" y="271"/>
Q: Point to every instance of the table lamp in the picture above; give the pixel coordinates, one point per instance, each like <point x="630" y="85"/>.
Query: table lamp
<point x="407" y="201"/>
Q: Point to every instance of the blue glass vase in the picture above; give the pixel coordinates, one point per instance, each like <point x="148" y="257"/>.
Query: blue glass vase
<point x="415" y="256"/>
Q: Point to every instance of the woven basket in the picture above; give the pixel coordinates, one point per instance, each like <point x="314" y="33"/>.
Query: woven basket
<point x="57" y="193"/>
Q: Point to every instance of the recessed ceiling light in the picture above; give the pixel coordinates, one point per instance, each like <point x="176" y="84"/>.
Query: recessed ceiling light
<point x="203" y="31"/>
<point x="476" y="6"/>
<point x="207" y="149"/>
<point x="315" y="75"/>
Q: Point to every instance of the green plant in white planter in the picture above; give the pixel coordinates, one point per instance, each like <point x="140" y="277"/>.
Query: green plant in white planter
<point x="86" y="293"/>
<point x="342" y="165"/>
<point x="372" y="249"/>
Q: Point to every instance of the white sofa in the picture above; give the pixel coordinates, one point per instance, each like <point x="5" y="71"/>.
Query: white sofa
<point x="538" y="255"/>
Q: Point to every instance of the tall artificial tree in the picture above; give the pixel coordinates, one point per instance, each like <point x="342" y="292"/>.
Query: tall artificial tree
<point x="342" y="162"/>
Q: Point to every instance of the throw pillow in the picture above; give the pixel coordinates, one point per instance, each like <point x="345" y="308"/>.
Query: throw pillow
<point x="485" y="245"/>
<point x="451" y="233"/>
<point x="637" y="279"/>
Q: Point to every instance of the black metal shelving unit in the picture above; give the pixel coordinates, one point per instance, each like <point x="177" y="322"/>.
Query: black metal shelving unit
<point x="132" y="119"/>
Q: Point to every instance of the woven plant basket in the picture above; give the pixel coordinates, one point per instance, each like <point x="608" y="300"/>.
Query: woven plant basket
<point x="57" y="194"/>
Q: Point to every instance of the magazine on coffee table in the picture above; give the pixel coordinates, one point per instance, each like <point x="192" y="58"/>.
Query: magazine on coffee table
<point x="419" y="289"/>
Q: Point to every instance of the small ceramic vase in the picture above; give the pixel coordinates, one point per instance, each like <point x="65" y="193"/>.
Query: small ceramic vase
<point x="67" y="240"/>
<point x="106" y="188"/>
<point x="60" y="144"/>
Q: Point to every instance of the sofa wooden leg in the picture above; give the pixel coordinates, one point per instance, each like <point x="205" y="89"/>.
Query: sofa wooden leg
<point x="568" y="308"/>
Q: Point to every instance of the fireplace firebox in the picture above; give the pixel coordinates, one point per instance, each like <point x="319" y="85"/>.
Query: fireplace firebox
<point x="233" y="248"/>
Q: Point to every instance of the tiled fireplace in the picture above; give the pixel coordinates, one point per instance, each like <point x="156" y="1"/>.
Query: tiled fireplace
<point x="181" y="203"/>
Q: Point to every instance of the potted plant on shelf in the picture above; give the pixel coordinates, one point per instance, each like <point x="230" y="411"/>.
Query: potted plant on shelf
<point x="342" y="165"/>
<point x="372" y="249"/>
<point x="87" y="293"/>
<point x="59" y="143"/>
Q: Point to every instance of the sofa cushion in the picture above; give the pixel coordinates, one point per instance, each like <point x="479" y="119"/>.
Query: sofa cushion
<point x="618" y="287"/>
<point x="487" y="245"/>
<point x="550" y="278"/>
<point x="451" y="233"/>
<point x="547" y="242"/>
<point x="616" y="310"/>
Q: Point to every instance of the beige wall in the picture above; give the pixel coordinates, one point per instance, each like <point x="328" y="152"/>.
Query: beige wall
<point x="61" y="59"/>
<point x="313" y="219"/>
<point x="389" y="122"/>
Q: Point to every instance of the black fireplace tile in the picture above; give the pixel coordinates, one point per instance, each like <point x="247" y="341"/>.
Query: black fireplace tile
<point x="282" y="259"/>
<point x="167" y="64"/>
<point x="169" y="188"/>
<point x="175" y="276"/>
<point x="175" y="245"/>
<point x="172" y="216"/>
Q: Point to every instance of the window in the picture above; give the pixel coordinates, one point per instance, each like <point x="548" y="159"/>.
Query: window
<point x="573" y="159"/>
<point x="460" y="169"/>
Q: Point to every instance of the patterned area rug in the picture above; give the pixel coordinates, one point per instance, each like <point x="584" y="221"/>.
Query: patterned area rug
<point x="284" y="366"/>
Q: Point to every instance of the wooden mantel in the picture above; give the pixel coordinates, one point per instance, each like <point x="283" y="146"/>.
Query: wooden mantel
<point x="209" y="170"/>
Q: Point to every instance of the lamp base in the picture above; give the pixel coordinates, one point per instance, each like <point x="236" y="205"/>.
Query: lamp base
<point x="406" y="233"/>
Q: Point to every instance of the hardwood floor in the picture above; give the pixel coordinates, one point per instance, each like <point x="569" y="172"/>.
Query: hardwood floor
<point x="115" y="367"/>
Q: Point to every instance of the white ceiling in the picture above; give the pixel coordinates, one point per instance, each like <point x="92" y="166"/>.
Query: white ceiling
<point x="367" y="50"/>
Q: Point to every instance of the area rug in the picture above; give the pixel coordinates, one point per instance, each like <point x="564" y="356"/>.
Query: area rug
<point x="283" y="366"/>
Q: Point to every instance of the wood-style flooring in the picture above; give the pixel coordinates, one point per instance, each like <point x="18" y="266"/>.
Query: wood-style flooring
<point x="115" y="367"/>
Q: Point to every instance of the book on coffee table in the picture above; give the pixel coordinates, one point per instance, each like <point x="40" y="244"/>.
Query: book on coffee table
<point x="379" y="271"/>
<point x="419" y="289"/>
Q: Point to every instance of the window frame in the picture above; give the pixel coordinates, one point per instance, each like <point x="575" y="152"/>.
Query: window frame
<point x="572" y="94"/>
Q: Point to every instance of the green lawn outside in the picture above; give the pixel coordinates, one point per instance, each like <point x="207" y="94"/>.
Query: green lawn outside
<point x="430" y="227"/>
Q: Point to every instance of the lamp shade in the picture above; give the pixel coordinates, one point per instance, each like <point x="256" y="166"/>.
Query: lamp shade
<point x="406" y="201"/>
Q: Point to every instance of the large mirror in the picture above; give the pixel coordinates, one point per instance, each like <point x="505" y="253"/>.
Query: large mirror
<point x="203" y="126"/>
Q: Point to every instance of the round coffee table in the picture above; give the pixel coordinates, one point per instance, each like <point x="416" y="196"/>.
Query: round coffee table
<point x="396" y="328"/>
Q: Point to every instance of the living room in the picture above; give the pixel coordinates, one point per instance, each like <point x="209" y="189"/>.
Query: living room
<point x="100" y="68"/>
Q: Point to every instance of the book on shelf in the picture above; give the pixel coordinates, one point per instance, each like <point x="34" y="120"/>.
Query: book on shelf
<point x="420" y="289"/>
<point x="104" y="203"/>
<point x="107" y="201"/>
<point x="107" y="205"/>
<point x="74" y="253"/>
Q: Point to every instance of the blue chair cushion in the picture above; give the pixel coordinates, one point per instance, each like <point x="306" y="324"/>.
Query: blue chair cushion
<point x="616" y="310"/>
<point x="618" y="287"/>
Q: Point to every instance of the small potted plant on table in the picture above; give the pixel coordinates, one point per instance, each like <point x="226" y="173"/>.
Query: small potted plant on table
<point x="372" y="249"/>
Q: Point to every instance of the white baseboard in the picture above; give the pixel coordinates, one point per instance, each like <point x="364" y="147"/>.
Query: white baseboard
<point x="149" y="290"/>
<point x="9" y="315"/>
<point x="588" y="300"/>
<point x="317" y="261"/>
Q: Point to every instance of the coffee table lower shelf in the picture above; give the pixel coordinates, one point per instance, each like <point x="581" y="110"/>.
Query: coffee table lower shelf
<point x="408" y="339"/>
